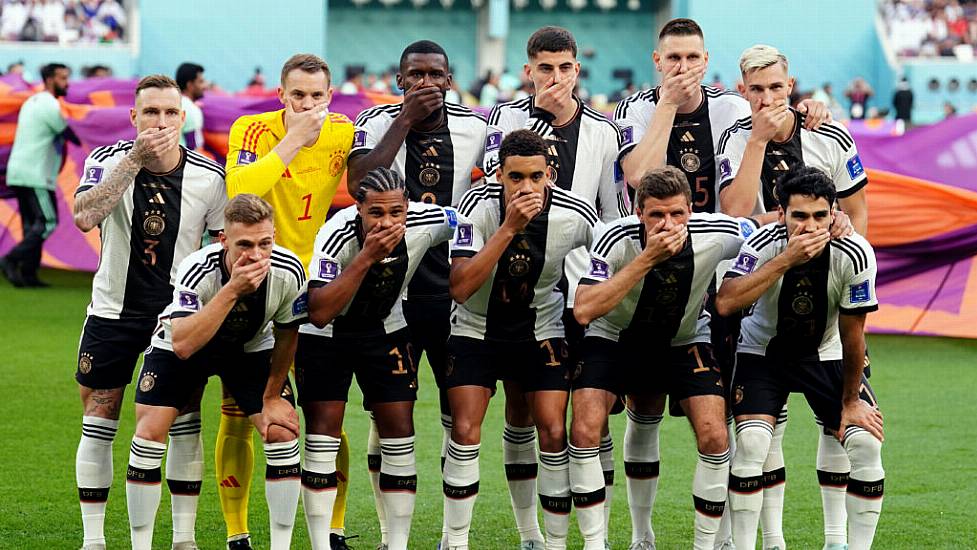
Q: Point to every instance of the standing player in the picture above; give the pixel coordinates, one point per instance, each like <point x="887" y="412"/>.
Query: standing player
<point x="805" y="333"/>
<point x="190" y="78"/>
<point x="226" y="297"/>
<point x="507" y="259"/>
<point x="434" y="146"/>
<point x="293" y="158"/>
<point x="643" y="298"/>
<point x="365" y="257"/>
<point x="756" y="156"/>
<point x="581" y="151"/>
<point x="681" y="123"/>
<point x="152" y="200"/>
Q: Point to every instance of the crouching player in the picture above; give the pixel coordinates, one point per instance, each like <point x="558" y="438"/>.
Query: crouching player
<point x="649" y="335"/>
<point x="363" y="260"/>
<point x="225" y="297"/>
<point x="808" y="297"/>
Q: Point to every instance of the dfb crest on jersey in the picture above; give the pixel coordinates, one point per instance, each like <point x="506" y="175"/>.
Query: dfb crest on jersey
<point x="93" y="174"/>
<point x="690" y="162"/>
<point x="246" y="157"/>
<point x="154" y="224"/>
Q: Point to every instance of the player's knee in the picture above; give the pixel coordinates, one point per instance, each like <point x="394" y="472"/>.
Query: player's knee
<point x="586" y="430"/>
<point x="278" y="434"/>
<point x="151" y="430"/>
<point x="865" y="454"/>
<point x="465" y="432"/>
<point x="552" y="436"/>
<point x="752" y="443"/>
<point x="712" y="438"/>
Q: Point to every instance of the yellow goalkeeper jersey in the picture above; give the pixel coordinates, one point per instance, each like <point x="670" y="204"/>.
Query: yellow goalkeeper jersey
<point x="301" y="192"/>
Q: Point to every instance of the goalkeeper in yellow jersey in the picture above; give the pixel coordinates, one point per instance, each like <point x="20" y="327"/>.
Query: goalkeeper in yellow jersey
<point x="294" y="158"/>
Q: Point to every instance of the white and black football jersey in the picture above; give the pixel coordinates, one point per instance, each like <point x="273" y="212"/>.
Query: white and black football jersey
<point x="830" y="149"/>
<point x="797" y="317"/>
<point x="376" y="307"/>
<point x="520" y="300"/>
<point x="437" y="167"/>
<point x="158" y="222"/>
<point x="694" y="140"/>
<point x="667" y="306"/>
<point x="583" y="156"/>
<point x="280" y="301"/>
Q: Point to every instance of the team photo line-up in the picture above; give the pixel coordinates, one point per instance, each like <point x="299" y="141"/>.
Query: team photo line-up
<point x="700" y="244"/>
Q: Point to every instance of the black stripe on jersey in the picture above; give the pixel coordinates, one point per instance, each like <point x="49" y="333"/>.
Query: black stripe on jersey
<point x="541" y="127"/>
<point x="472" y="198"/>
<point x="193" y="276"/>
<point x="330" y="246"/>
<point x="110" y="150"/>
<point x="372" y="112"/>
<point x="428" y="213"/>
<point x="621" y="110"/>
<point x="763" y="238"/>
<point x="519" y="105"/>
<point x="714" y="226"/>
<point x="462" y="111"/>
<point x="840" y="136"/>
<point x="715" y="92"/>
<point x="622" y="206"/>
<point x="855" y="253"/>
<point x="853" y="189"/>
<point x="616" y="235"/>
<point x="745" y="123"/>
<point x="421" y="223"/>
<point x="589" y="112"/>
<point x="578" y="205"/>
<point x="199" y="160"/>
<point x="289" y="263"/>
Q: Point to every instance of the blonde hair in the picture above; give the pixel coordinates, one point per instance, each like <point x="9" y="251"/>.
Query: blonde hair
<point x="247" y="209"/>
<point x="759" y="57"/>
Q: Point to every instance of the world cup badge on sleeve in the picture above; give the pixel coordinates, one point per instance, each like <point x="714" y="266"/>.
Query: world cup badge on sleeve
<point x="328" y="270"/>
<point x="245" y="157"/>
<point x="464" y="235"/>
<point x="93" y="174"/>
<point x="745" y="263"/>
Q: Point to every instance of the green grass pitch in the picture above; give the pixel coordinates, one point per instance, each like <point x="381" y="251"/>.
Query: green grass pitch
<point x="926" y="388"/>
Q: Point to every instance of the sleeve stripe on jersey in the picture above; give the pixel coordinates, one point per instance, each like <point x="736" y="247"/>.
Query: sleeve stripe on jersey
<point x="714" y="224"/>
<point x="862" y="182"/>
<point x="477" y="195"/>
<point x="255" y="136"/>
<point x="586" y="211"/>
<point x="426" y="213"/>
<point x="715" y="92"/>
<point x="101" y="155"/>
<point x="349" y="229"/>
<point x="289" y="257"/>
<point x="431" y="215"/>
<point x="713" y="231"/>
<point x="622" y="206"/>
<point x="373" y="112"/>
<point x="589" y="112"/>
<point x="836" y="133"/>
<point x="858" y="256"/>
<point x="420" y="223"/>
<point x="496" y="113"/>
<point x="745" y="123"/>
<point x="247" y="135"/>
<point x="206" y="160"/>
<point x="196" y="274"/>
<point x="287" y="264"/>
<point x="762" y="238"/>
<point x="622" y="233"/>
<point x="462" y="111"/>
<point x="622" y="108"/>
<point x="206" y="165"/>
<point x="540" y="126"/>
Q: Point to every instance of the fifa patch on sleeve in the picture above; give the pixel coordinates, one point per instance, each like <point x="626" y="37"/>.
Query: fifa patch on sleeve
<point x="328" y="270"/>
<point x="854" y="165"/>
<point x="725" y="169"/>
<point x="860" y="293"/>
<point x="464" y="234"/>
<point x="598" y="269"/>
<point x="452" y="217"/>
<point x="189" y="300"/>
<point x="359" y="138"/>
<point x="627" y="135"/>
<point x="245" y="157"/>
<point x="301" y="304"/>
<point x="745" y="263"/>
<point x="493" y="141"/>
<point x="94" y="174"/>
<point x="746" y="228"/>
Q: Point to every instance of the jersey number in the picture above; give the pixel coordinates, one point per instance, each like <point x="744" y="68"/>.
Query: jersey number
<point x="553" y="362"/>
<point x="308" y="204"/>
<point x="701" y="191"/>
<point x="694" y="351"/>
<point x="150" y="258"/>
<point x="395" y="353"/>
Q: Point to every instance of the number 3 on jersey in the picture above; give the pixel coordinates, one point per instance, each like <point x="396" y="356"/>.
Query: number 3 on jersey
<point x="308" y="205"/>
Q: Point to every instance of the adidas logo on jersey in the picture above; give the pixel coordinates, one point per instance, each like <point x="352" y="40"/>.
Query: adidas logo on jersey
<point x="781" y="166"/>
<point x="240" y="307"/>
<point x="157" y="199"/>
<point x="687" y="137"/>
<point x="430" y="152"/>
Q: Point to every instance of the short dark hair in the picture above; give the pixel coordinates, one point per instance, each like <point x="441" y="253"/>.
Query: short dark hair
<point x="808" y="181"/>
<point x="306" y="62"/>
<point x="551" y="39"/>
<point x="662" y="183"/>
<point x="380" y="179"/>
<point x="681" y="27"/>
<point x="521" y="143"/>
<point x="48" y="71"/>
<point x="187" y="73"/>
<point x="423" y="47"/>
<point x="156" y="81"/>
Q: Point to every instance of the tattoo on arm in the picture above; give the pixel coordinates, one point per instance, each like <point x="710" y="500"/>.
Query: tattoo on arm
<point x="94" y="205"/>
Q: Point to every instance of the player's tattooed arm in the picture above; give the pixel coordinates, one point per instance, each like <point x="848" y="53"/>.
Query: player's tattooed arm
<point x="94" y="205"/>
